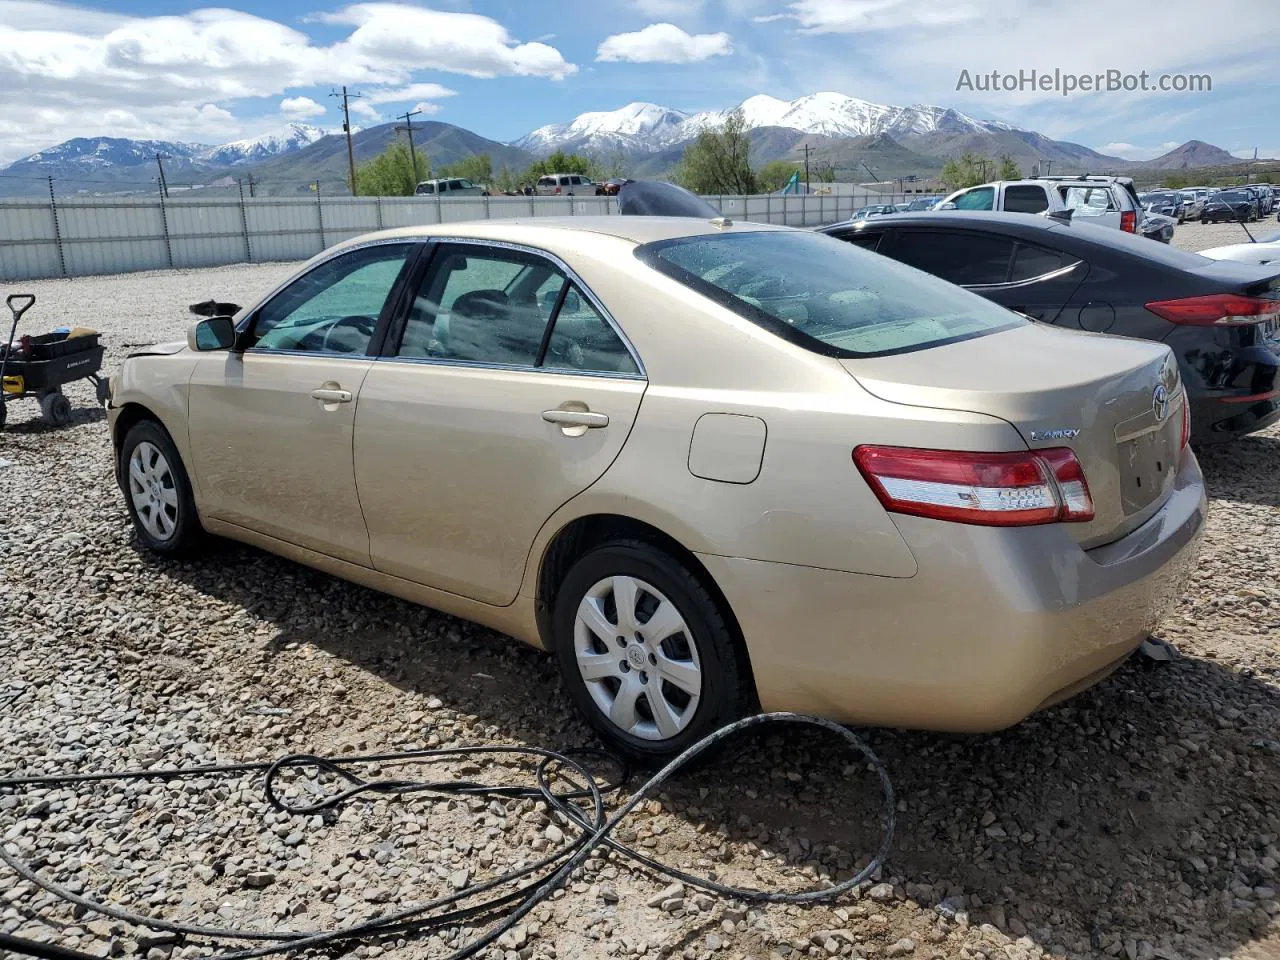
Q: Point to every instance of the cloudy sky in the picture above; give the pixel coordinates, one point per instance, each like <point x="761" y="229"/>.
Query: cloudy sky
<point x="176" y="70"/>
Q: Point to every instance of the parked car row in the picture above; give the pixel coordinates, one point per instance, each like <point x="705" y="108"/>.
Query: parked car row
<point x="921" y="492"/>
<point x="1210" y="205"/>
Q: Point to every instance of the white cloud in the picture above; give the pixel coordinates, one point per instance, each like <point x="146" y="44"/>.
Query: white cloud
<point x="427" y="107"/>
<point x="414" y="91"/>
<point x="417" y="38"/>
<point x="301" y="108"/>
<point x="1129" y="151"/>
<point x="64" y="67"/>
<point x="769" y="18"/>
<point x="668" y="8"/>
<point x="664" y="43"/>
<point x="363" y="108"/>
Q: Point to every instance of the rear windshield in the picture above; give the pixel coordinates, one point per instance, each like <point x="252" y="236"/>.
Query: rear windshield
<point x="826" y="295"/>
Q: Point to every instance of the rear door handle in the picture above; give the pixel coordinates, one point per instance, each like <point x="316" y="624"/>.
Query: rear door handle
<point x="576" y="418"/>
<point x="331" y="395"/>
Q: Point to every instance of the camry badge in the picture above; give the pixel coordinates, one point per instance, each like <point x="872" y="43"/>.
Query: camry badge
<point x="1160" y="402"/>
<point x="1062" y="433"/>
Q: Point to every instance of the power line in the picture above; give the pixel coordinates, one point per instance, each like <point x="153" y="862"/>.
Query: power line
<point x="346" y="128"/>
<point x="164" y="187"/>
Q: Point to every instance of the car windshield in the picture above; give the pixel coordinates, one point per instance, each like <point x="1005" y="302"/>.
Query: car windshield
<point x="826" y="295"/>
<point x="1233" y="196"/>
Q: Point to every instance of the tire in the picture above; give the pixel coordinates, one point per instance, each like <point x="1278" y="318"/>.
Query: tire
<point x="55" y="408"/>
<point x="700" y="653"/>
<point x="157" y="493"/>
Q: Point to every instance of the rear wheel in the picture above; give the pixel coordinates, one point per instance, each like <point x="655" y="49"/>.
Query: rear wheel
<point x="645" y="651"/>
<point x="55" y="408"/>
<point x="157" y="490"/>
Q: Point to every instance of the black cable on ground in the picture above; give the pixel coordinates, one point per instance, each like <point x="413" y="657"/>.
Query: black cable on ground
<point x="582" y="803"/>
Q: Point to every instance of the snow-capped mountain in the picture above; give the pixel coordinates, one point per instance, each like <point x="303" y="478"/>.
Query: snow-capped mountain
<point x="600" y="132"/>
<point x="648" y="127"/>
<point x="292" y="137"/>
<point x="94" y="156"/>
<point x="94" y="153"/>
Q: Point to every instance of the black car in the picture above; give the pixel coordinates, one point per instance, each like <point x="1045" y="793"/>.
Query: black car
<point x="1220" y="318"/>
<point x="1227" y="206"/>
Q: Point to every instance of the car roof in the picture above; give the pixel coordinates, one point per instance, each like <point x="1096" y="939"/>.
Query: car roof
<point x="550" y="232"/>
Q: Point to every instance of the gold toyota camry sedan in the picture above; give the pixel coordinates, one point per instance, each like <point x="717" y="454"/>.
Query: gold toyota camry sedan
<point x="711" y="467"/>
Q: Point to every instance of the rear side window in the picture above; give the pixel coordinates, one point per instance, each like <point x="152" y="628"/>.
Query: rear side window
<point x="1025" y="198"/>
<point x="1031" y="262"/>
<point x="866" y="239"/>
<point x="546" y="181"/>
<point x="824" y="294"/>
<point x="979" y="198"/>
<point x="1088" y="201"/>
<point x="969" y="259"/>
<point x="424" y="188"/>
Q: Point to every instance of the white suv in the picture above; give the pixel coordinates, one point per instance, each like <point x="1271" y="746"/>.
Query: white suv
<point x="1106" y="201"/>
<point x="565" y="184"/>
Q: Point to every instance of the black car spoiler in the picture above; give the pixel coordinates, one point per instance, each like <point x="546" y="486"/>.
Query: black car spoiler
<point x="653" y="198"/>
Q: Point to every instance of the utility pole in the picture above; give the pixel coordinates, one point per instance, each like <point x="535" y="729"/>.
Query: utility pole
<point x="807" y="148"/>
<point x="1048" y="165"/>
<point x="346" y="128"/>
<point x="869" y="170"/>
<point x="408" y="128"/>
<point x="164" y="187"/>
<point x="251" y="193"/>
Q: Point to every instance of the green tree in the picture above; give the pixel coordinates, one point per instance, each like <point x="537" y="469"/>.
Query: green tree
<point x="1176" y="181"/>
<point x="507" y="178"/>
<point x="717" y="160"/>
<point x="392" y="173"/>
<point x="824" y="171"/>
<point x="478" y="168"/>
<point x="776" y="174"/>
<point x="561" y="162"/>
<point x="967" y="170"/>
<point x="1008" y="168"/>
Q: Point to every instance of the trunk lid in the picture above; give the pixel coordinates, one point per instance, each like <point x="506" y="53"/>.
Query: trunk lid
<point x="1116" y="402"/>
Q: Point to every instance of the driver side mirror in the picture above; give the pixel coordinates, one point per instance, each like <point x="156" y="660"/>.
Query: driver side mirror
<point x="947" y="206"/>
<point x="215" y="333"/>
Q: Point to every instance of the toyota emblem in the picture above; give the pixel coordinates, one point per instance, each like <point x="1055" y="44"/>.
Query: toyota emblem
<point x="1160" y="402"/>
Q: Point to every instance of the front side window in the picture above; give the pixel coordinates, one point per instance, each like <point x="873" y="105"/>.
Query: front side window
<point x="335" y="307"/>
<point x="979" y="198"/>
<point x="1025" y="198"/>
<point x="867" y="239"/>
<point x="825" y="295"/>
<point x="494" y="306"/>
<point x="968" y="259"/>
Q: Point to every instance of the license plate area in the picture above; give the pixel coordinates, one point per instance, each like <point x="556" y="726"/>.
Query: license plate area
<point x="1147" y="467"/>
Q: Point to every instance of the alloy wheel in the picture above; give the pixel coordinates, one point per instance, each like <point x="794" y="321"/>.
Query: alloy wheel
<point x="152" y="490"/>
<point x="638" y="658"/>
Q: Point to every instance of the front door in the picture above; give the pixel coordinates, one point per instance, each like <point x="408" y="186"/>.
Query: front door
<point x="271" y="424"/>
<point x="507" y="393"/>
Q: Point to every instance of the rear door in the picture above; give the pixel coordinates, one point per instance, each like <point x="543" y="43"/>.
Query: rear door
<point x="507" y="392"/>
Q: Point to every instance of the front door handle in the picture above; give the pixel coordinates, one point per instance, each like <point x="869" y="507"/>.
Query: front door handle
<point x="331" y="395"/>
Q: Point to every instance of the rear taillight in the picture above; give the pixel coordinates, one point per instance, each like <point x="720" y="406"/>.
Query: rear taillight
<point x="990" y="489"/>
<point x="557" y="191"/>
<point x="1129" y="221"/>
<point x="1217" y="310"/>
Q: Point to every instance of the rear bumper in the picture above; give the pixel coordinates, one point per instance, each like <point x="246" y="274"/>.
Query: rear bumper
<point x="995" y="624"/>
<point x="1232" y="378"/>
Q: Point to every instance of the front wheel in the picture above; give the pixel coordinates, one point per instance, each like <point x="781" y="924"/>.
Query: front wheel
<point x="157" y="491"/>
<point x="646" y="652"/>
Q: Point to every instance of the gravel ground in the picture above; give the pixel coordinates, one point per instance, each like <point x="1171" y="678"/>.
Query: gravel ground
<point x="1194" y="235"/>
<point x="1140" y="820"/>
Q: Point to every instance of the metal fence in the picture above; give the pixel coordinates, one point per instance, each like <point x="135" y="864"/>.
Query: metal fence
<point x="86" y="236"/>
